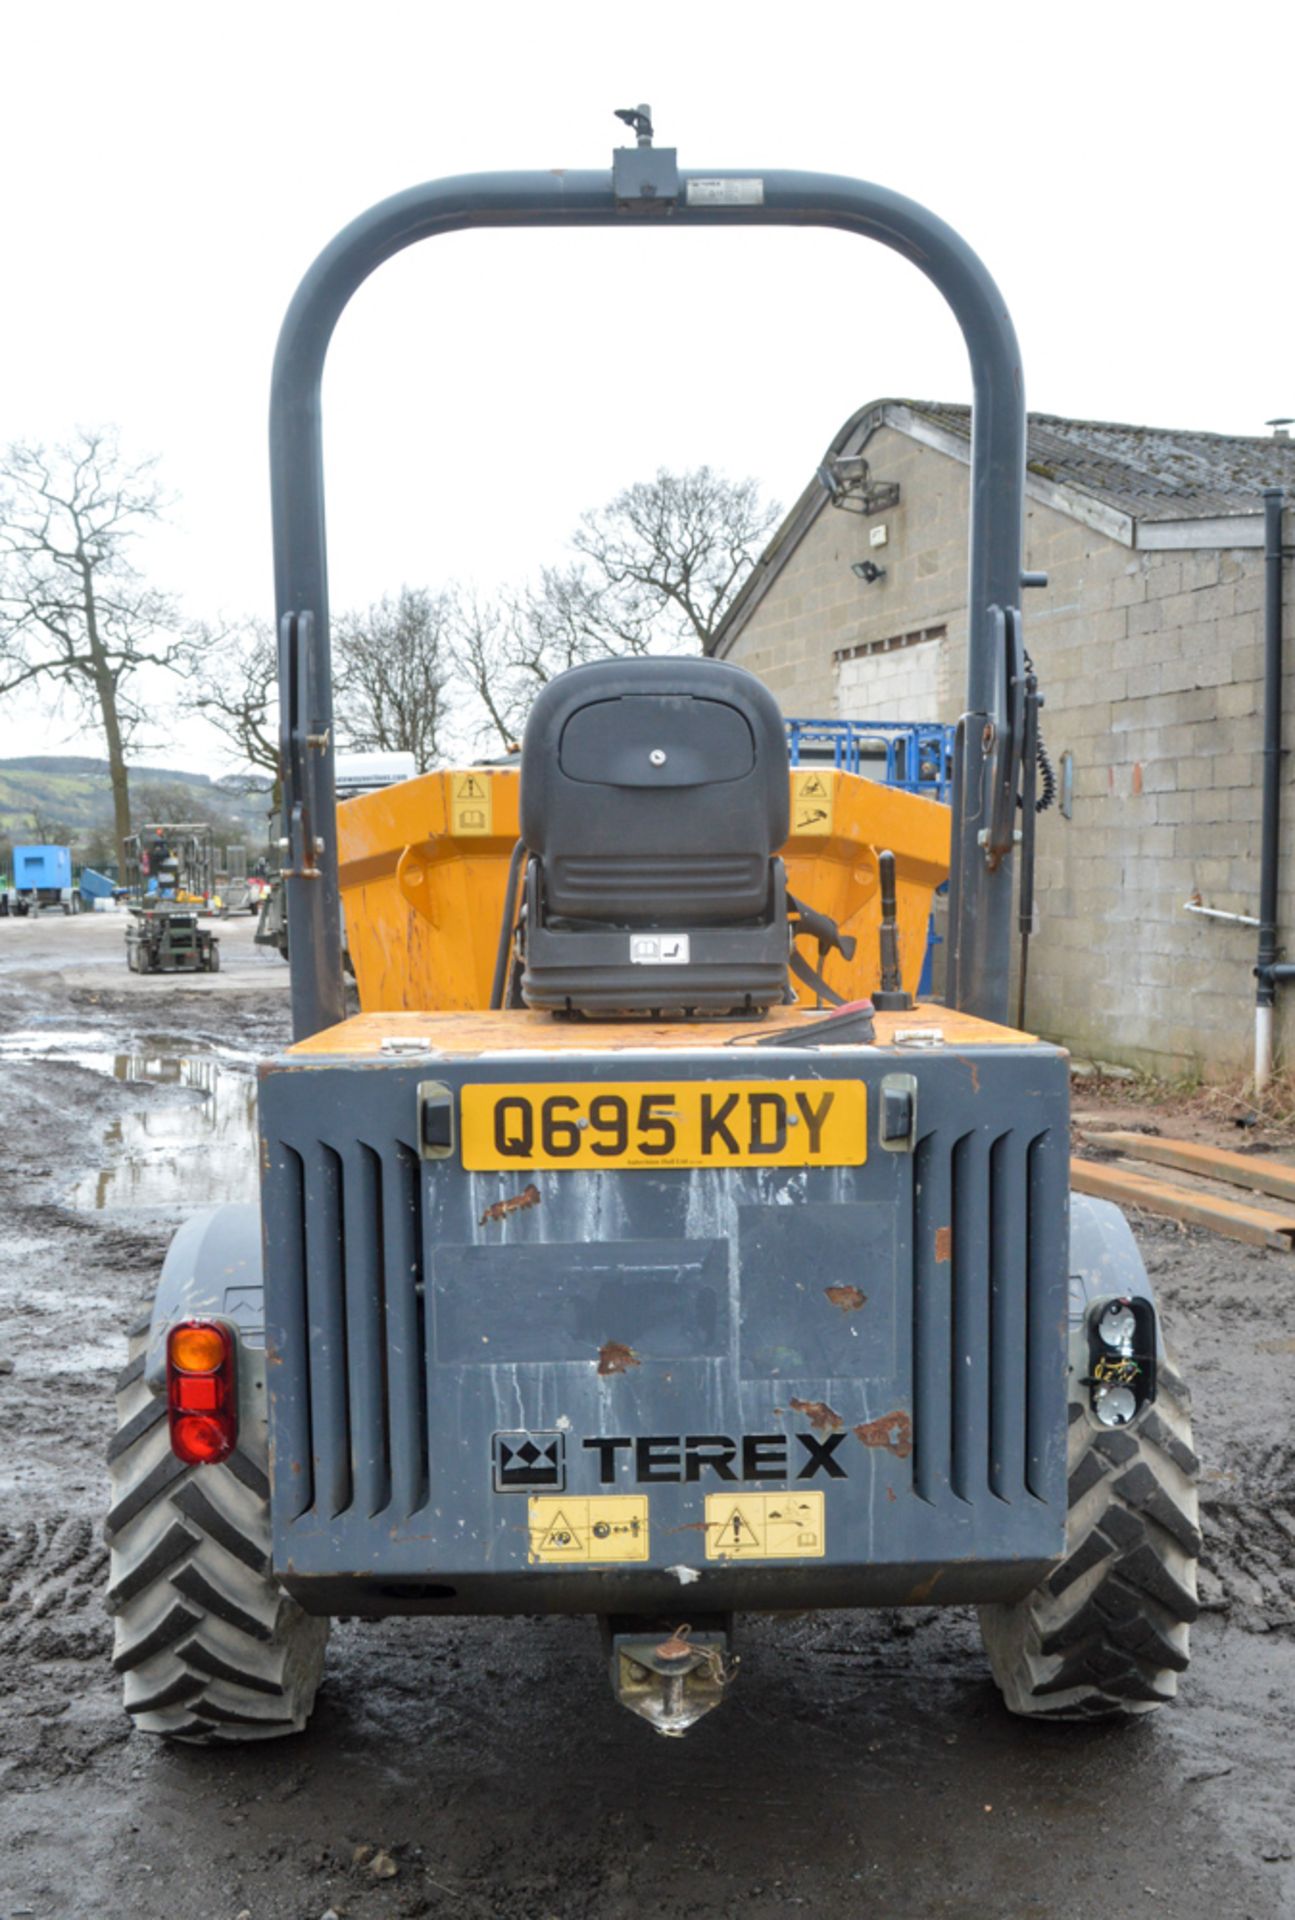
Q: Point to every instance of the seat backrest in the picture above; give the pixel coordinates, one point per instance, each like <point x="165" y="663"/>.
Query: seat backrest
<point x="655" y="793"/>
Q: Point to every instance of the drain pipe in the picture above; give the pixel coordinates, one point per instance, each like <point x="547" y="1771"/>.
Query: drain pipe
<point x="1269" y="971"/>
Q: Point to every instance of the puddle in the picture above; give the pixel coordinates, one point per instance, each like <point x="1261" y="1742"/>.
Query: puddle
<point x="157" y="1057"/>
<point x="31" y="1043"/>
<point x="191" y="1154"/>
<point x="195" y="1152"/>
<point x="175" y="1155"/>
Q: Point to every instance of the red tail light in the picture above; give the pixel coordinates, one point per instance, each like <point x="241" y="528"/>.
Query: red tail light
<point x="201" y="1392"/>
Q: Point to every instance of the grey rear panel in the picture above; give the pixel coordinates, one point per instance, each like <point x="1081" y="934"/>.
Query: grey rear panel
<point x="422" y="1337"/>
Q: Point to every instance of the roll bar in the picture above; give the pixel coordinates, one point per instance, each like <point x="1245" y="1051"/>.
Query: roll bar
<point x="646" y="186"/>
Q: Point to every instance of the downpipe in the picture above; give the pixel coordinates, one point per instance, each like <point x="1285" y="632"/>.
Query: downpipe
<point x="1270" y="973"/>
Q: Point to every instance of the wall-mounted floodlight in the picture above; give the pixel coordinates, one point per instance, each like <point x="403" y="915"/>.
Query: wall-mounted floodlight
<point x="867" y="570"/>
<point x="847" y="480"/>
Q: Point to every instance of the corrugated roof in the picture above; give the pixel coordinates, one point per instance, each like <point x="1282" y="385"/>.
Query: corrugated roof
<point x="1151" y="473"/>
<point x="1112" y="476"/>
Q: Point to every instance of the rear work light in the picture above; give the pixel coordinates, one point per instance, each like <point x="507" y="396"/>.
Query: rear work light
<point x="201" y="1392"/>
<point x="1122" y="1360"/>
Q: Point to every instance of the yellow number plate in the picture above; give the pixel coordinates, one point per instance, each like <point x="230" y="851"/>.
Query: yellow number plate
<point x="676" y="1123"/>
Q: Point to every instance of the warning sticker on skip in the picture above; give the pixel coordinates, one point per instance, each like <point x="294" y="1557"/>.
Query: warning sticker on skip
<point x="811" y="802"/>
<point x="570" y="1532"/>
<point x="471" y="803"/>
<point x="765" y="1526"/>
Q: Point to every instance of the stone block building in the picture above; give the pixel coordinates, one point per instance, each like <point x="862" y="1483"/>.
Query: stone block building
<point x="1148" y="641"/>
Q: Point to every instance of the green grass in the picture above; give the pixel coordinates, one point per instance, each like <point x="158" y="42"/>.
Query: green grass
<point x="69" y="799"/>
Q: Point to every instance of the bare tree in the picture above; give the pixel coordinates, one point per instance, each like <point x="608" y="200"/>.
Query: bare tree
<point x="668" y="554"/>
<point x="488" y="673"/>
<point x="391" y="667"/>
<point x="503" y="651"/>
<point x="657" y="568"/>
<point x="235" y="686"/>
<point x="74" y="611"/>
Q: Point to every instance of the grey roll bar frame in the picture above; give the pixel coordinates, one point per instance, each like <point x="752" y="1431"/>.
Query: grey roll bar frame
<point x="645" y="185"/>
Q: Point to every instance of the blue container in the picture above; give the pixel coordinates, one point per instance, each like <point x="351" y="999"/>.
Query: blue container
<point x="41" y="867"/>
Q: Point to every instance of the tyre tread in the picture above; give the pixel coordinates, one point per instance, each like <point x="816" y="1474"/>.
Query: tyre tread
<point x="1106" y="1633"/>
<point x="210" y="1648"/>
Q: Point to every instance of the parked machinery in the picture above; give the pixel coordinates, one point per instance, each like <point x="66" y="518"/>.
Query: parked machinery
<point x="231" y="887"/>
<point x="42" y="877"/>
<point x="605" y="1262"/>
<point x="168" y="874"/>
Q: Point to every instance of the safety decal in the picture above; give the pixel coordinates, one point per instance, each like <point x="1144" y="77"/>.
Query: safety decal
<point x="471" y="804"/>
<point x="765" y="1526"/>
<point x="811" y="803"/>
<point x="567" y="1532"/>
<point x="524" y="1461"/>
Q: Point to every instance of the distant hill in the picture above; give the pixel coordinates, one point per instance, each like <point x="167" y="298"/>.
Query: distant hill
<point x="66" y="797"/>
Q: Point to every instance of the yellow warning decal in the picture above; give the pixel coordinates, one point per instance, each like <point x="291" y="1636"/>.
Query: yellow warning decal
<point x="570" y="1533"/>
<point x="765" y="1526"/>
<point x="812" y="795"/>
<point x="472" y="808"/>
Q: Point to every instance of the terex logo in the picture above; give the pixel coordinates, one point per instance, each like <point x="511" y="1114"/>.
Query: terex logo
<point x="686" y="1457"/>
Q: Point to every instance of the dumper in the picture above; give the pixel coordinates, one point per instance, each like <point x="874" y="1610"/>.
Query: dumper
<point x="642" y="1248"/>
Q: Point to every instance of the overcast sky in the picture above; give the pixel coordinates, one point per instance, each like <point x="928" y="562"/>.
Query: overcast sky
<point x="170" y="171"/>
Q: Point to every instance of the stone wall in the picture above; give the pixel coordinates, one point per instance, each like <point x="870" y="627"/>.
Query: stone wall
<point x="1152" y="667"/>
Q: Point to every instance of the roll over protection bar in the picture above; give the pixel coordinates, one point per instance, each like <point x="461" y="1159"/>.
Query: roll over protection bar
<point x="645" y="185"/>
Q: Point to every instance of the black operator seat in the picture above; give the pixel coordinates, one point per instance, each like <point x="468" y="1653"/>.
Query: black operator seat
<point x="654" y="799"/>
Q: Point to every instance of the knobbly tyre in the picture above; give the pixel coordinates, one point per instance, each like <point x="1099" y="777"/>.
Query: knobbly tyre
<point x="620" y="1257"/>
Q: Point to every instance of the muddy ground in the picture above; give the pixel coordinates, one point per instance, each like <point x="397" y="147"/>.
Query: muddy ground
<point x="863" y="1765"/>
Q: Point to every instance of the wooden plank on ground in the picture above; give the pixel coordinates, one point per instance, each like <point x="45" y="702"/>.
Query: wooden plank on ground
<point x="1215" y="1163"/>
<point x="1259" y="1226"/>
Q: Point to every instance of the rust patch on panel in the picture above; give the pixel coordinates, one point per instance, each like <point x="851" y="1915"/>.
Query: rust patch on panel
<point x="820" y="1415"/>
<point x="516" y="1203"/>
<point x="943" y="1245"/>
<point x="921" y="1593"/>
<point x="848" y="1299"/>
<point x="893" y="1431"/>
<point x="677" y="1647"/>
<point x="614" y="1357"/>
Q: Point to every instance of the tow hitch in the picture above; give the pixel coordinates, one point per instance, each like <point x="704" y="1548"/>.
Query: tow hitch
<point x="671" y="1681"/>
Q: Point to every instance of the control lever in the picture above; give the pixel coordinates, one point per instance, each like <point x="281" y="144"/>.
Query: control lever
<point x="890" y="996"/>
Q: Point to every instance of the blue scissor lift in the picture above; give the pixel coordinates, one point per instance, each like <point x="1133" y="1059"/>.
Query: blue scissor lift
<point x="915" y="756"/>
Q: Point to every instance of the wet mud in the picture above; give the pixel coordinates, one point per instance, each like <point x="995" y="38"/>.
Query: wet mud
<point x="479" y="1769"/>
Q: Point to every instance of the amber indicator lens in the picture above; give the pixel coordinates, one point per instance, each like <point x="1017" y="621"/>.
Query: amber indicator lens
<point x="196" y="1348"/>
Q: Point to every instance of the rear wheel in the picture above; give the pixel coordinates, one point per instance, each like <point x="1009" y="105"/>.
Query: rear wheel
<point x="1106" y="1634"/>
<point x="209" y="1646"/>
